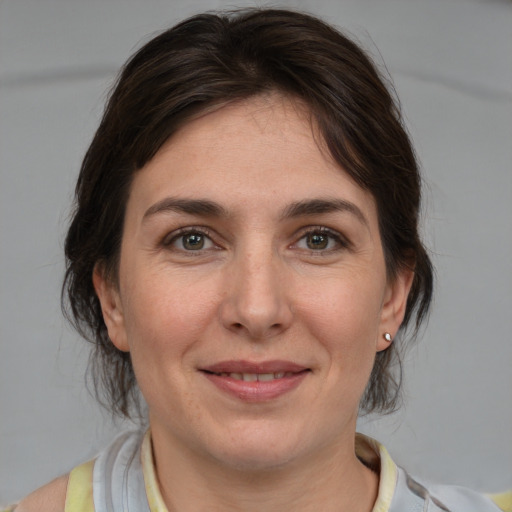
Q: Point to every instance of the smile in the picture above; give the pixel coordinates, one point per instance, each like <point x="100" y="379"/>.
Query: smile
<point x="253" y="377"/>
<point x="255" y="382"/>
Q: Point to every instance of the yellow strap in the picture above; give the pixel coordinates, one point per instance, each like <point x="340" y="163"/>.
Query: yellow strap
<point x="503" y="500"/>
<point x="155" y="500"/>
<point x="79" y="495"/>
<point x="375" y="455"/>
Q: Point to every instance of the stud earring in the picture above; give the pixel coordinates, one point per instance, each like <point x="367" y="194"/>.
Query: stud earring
<point x="388" y="337"/>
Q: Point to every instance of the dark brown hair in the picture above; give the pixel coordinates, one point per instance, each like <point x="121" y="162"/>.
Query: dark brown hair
<point x="213" y="59"/>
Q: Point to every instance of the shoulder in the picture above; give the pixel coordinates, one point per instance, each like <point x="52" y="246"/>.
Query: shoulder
<point x="53" y="497"/>
<point x="49" y="498"/>
<point x="442" y="498"/>
<point x="466" y="500"/>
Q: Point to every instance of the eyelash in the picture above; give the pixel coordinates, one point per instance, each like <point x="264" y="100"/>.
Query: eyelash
<point x="340" y="241"/>
<point x="181" y="233"/>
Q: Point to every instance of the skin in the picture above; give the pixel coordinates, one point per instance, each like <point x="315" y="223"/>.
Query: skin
<point x="49" y="498"/>
<point x="266" y="283"/>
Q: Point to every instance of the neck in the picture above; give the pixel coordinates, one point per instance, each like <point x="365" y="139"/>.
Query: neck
<point x="331" y="480"/>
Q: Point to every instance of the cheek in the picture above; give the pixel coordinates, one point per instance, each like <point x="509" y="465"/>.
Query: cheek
<point x="345" y="318"/>
<point x="163" y="326"/>
<point x="164" y="315"/>
<point x="338" y="307"/>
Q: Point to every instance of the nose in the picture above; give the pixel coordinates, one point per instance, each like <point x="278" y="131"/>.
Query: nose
<point x="256" y="301"/>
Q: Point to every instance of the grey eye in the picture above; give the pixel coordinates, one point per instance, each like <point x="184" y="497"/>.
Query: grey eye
<point x="317" y="241"/>
<point x="193" y="241"/>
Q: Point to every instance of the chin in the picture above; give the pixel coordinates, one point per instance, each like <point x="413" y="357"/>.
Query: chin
<point x="260" y="449"/>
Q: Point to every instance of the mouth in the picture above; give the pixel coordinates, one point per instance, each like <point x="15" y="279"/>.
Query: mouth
<point x="255" y="377"/>
<point x="256" y="382"/>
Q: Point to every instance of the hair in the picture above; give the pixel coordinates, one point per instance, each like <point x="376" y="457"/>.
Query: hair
<point x="205" y="62"/>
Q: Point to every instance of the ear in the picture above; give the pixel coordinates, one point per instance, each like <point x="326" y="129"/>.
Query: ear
<point x="395" y="303"/>
<point x="111" y="307"/>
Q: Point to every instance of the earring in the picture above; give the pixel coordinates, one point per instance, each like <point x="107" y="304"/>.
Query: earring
<point x="388" y="337"/>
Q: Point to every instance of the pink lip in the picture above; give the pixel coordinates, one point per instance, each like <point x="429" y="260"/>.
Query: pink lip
<point x="256" y="391"/>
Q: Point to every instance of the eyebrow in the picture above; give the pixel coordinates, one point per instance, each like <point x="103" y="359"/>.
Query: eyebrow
<point x="202" y="207"/>
<point x="320" y="206"/>
<point x="207" y="208"/>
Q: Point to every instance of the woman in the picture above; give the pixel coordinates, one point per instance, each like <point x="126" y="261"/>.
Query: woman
<point x="245" y="251"/>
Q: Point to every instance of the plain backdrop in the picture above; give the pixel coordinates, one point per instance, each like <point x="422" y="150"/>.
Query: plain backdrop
<point x="451" y="62"/>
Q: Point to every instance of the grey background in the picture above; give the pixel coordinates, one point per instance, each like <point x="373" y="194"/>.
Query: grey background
<point x="451" y="61"/>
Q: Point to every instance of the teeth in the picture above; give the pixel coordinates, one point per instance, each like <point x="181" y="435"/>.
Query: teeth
<point x="253" y="377"/>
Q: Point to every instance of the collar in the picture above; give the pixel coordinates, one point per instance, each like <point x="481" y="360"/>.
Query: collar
<point x="376" y="457"/>
<point x="155" y="500"/>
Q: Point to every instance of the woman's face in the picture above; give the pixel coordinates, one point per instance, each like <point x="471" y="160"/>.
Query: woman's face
<point x="252" y="291"/>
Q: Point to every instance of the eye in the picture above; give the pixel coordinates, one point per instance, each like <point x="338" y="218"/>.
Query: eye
<point x="189" y="241"/>
<point x="317" y="241"/>
<point x="320" y="239"/>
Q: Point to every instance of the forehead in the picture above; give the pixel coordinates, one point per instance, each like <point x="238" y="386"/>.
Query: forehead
<point x="271" y="121"/>
<point x="257" y="151"/>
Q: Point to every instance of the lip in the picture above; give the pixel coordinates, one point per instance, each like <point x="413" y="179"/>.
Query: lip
<point x="242" y="366"/>
<point x="256" y="391"/>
